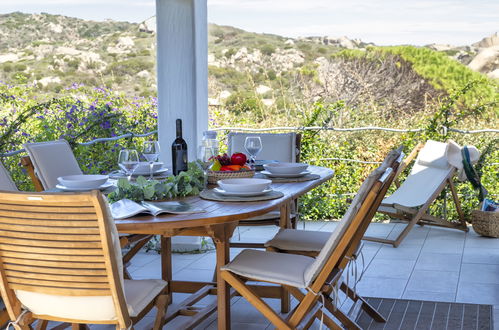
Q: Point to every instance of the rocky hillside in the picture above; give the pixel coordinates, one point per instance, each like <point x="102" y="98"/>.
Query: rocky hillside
<point x="54" y="52"/>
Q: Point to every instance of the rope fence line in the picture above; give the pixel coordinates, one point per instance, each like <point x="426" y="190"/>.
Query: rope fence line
<point x="352" y="129"/>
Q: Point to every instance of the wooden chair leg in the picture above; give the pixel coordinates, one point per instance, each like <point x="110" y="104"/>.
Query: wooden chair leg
<point x="255" y="300"/>
<point x="457" y="203"/>
<point x="41" y="324"/>
<point x="285" y="300"/>
<point x="161" y="306"/>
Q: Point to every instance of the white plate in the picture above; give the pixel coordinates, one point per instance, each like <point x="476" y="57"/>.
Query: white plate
<point x="296" y="175"/>
<point x="158" y="172"/>
<point x="242" y="194"/>
<point x="102" y="187"/>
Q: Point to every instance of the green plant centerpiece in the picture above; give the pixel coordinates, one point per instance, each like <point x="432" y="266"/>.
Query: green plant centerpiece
<point x="184" y="184"/>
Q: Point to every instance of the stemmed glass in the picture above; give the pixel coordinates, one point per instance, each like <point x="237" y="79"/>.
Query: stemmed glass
<point x="128" y="160"/>
<point x="205" y="155"/>
<point x="253" y="145"/>
<point x="151" y="154"/>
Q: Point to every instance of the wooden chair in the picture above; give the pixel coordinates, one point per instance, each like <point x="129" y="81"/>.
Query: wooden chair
<point x="429" y="176"/>
<point x="60" y="260"/>
<point x="49" y="160"/>
<point x="297" y="272"/>
<point x="284" y="147"/>
<point x="310" y="243"/>
<point x="6" y="184"/>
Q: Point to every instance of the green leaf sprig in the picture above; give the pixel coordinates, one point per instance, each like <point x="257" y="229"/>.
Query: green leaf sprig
<point x="184" y="184"/>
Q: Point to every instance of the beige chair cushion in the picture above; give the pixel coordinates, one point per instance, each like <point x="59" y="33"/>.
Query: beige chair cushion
<point x="51" y="160"/>
<point x="138" y="293"/>
<point x="299" y="240"/>
<point x="272" y="267"/>
<point x="6" y="182"/>
<point x="281" y="147"/>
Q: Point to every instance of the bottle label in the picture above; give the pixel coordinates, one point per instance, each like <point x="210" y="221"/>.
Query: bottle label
<point x="180" y="161"/>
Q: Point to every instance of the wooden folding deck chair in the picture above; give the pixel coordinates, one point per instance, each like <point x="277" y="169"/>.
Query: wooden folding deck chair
<point x="429" y="176"/>
<point x="296" y="272"/>
<point x="49" y="160"/>
<point x="60" y="260"/>
<point x="310" y="243"/>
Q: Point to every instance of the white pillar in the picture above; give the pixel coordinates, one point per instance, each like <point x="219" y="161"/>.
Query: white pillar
<point x="182" y="67"/>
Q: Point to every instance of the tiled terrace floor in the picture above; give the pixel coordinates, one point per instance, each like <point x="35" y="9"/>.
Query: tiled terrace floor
<point x="430" y="264"/>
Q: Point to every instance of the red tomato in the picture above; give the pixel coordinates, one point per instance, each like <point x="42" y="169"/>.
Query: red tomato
<point x="225" y="168"/>
<point x="238" y="158"/>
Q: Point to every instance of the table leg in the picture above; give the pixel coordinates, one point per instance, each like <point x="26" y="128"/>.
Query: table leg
<point x="221" y="235"/>
<point x="166" y="264"/>
<point x="285" y="213"/>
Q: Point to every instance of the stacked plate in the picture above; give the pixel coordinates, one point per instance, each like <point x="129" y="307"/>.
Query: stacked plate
<point x="244" y="187"/>
<point x="144" y="169"/>
<point x="83" y="182"/>
<point x="285" y="170"/>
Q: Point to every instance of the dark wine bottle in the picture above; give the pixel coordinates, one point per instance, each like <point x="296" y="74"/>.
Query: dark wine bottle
<point x="179" y="151"/>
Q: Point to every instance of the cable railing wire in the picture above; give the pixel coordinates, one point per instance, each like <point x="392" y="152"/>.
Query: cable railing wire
<point x="114" y="138"/>
<point x="350" y="129"/>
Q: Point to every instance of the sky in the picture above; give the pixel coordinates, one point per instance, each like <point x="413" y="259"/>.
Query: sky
<point x="384" y="22"/>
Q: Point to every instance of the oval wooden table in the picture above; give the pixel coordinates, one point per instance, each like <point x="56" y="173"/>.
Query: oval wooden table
<point x="218" y="222"/>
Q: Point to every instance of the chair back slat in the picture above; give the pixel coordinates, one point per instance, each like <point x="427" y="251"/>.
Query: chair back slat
<point x="51" y="246"/>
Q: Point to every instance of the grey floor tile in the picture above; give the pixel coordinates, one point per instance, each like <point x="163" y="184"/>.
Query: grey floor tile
<point x="481" y="255"/>
<point x="387" y="268"/>
<point x="403" y="252"/>
<point x="478" y="293"/>
<point x="439" y="233"/>
<point x="477" y="241"/>
<point x="381" y="287"/>
<point x="439" y="261"/>
<point x="433" y="281"/>
<point x="443" y="246"/>
<point x="480" y="273"/>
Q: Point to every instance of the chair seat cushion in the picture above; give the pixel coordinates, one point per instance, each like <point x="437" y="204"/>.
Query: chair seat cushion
<point x="138" y="293"/>
<point x="299" y="240"/>
<point x="273" y="267"/>
<point x="267" y="216"/>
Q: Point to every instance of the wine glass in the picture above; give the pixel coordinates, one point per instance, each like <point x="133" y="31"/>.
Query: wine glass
<point x="128" y="160"/>
<point x="151" y="154"/>
<point x="205" y="155"/>
<point x="253" y="145"/>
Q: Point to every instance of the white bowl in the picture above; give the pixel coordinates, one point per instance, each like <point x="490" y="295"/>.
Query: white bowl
<point x="244" y="185"/>
<point x="285" y="168"/>
<point x="89" y="181"/>
<point x="143" y="167"/>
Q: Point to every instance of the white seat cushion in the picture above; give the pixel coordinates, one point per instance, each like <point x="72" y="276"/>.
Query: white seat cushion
<point x="299" y="240"/>
<point x="271" y="266"/>
<point x="138" y="294"/>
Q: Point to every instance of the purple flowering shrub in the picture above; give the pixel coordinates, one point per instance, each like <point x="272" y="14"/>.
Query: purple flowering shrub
<point x="78" y="114"/>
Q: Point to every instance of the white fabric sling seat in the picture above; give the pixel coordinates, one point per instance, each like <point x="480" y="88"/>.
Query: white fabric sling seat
<point x="434" y="169"/>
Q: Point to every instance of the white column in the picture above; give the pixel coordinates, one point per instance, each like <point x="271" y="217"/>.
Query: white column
<point x="182" y="67"/>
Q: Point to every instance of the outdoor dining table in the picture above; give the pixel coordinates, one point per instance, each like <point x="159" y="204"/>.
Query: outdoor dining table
<point x="218" y="222"/>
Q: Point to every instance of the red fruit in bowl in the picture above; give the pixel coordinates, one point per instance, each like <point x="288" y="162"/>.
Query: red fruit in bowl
<point x="238" y="158"/>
